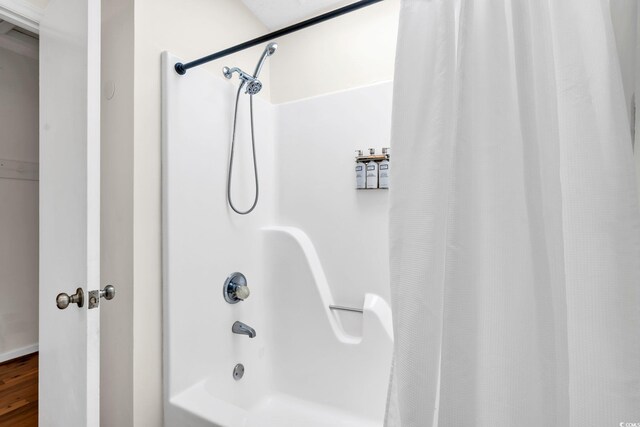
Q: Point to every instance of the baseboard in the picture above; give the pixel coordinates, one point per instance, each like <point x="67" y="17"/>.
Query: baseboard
<point x="18" y="352"/>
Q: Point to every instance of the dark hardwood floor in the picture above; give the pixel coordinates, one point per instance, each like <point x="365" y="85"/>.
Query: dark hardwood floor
<point x="19" y="392"/>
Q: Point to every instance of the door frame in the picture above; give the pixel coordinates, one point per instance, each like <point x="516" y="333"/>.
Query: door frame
<point x="22" y="14"/>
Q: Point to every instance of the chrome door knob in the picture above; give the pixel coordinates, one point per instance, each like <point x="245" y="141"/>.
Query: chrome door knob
<point x="63" y="300"/>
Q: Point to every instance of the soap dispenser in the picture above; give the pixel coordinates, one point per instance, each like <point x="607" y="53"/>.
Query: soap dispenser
<point x="384" y="169"/>
<point x="372" y="171"/>
<point x="361" y="179"/>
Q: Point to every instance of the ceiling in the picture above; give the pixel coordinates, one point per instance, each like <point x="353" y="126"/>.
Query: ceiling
<point x="275" y="14"/>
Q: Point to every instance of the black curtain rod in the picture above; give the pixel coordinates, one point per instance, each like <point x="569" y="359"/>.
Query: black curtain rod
<point x="182" y="68"/>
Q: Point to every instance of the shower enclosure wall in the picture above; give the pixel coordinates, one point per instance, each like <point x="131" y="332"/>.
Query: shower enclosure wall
<point x="312" y="241"/>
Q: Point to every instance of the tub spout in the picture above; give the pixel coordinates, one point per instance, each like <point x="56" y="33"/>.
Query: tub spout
<point x="242" y="329"/>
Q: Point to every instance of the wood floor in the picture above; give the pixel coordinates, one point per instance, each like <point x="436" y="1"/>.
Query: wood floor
<point x="19" y="392"/>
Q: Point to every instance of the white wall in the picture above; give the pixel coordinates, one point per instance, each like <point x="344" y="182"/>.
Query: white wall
<point x="353" y="50"/>
<point x="41" y="4"/>
<point x="116" y="252"/>
<point x="18" y="206"/>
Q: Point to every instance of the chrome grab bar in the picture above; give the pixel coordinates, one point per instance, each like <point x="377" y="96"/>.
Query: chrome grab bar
<point x="339" y="307"/>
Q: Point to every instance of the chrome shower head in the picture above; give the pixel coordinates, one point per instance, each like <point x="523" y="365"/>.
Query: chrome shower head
<point x="268" y="51"/>
<point x="253" y="87"/>
<point x="271" y="48"/>
<point x="253" y="84"/>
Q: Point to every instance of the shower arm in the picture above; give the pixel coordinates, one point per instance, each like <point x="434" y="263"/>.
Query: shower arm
<point x="182" y="68"/>
<point x="228" y="73"/>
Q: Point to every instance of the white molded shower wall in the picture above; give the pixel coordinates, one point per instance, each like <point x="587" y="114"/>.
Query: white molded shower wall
<point x="313" y="240"/>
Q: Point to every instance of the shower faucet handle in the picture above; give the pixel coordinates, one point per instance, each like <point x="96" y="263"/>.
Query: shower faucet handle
<point x="242" y="292"/>
<point x="235" y="288"/>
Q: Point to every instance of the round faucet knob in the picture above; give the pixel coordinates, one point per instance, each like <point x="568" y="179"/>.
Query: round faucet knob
<point x="242" y="292"/>
<point x="235" y="288"/>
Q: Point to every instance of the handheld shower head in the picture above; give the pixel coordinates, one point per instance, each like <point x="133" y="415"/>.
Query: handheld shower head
<point x="268" y="51"/>
<point x="271" y="48"/>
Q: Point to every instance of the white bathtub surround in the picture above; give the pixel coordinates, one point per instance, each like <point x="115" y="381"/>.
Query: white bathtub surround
<point x="515" y="249"/>
<point x="301" y="251"/>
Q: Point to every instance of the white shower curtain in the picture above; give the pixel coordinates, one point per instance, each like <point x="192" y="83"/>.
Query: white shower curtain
<point x="515" y="227"/>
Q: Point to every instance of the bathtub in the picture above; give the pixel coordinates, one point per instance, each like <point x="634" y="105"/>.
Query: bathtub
<point x="304" y="367"/>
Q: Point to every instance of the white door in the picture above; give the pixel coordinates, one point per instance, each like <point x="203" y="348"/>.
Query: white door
<point x="69" y="212"/>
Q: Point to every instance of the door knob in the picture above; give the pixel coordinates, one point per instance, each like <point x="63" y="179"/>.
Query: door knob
<point x="63" y="300"/>
<point x="108" y="293"/>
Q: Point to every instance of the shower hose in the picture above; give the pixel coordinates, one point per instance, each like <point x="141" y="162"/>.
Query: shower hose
<point x="253" y="147"/>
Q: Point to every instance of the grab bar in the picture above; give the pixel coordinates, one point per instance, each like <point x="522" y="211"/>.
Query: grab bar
<point x="339" y="307"/>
